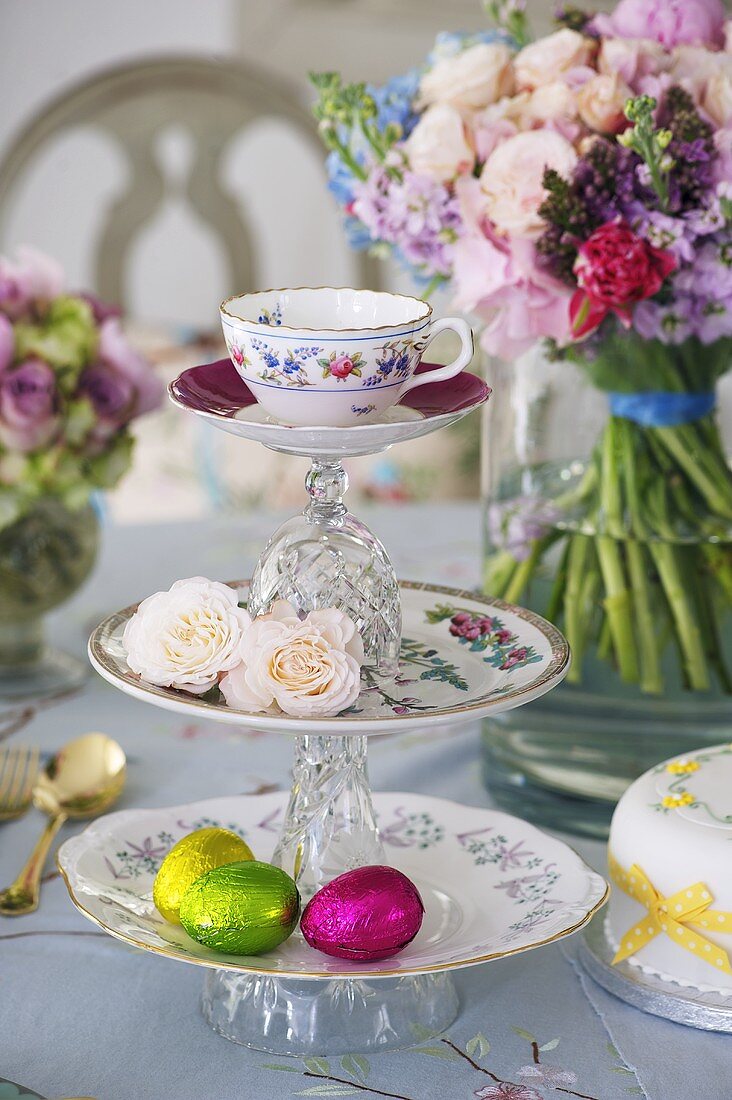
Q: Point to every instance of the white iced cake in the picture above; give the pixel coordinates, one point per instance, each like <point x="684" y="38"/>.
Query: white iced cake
<point x="670" y="860"/>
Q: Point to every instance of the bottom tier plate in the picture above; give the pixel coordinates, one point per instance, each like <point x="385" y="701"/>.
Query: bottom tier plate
<point x="492" y="885"/>
<point x="682" y="1004"/>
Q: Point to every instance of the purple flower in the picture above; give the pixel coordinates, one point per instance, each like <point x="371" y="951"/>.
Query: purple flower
<point x="112" y="397"/>
<point x="670" y="22"/>
<point x="28" y="406"/>
<point x="7" y="342"/>
<point x="101" y="311"/>
<point x="514" y="524"/>
<point x="414" y="212"/>
<point x="115" y="352"/>
<point x="507" y="1090"/>
<point x="30" y="277"/>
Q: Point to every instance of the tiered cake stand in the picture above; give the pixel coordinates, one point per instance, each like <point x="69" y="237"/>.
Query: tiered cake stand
<point x="492" y="885"/>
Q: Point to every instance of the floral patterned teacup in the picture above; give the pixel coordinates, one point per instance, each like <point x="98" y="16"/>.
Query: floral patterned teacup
<point x="334" y="357"/>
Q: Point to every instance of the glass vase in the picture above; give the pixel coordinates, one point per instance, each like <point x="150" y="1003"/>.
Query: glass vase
<point x="45" y="555"/>
<point x="622" y="535"/>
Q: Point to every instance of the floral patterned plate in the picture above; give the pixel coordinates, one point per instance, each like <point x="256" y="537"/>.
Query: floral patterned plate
<point x="492" y="885"/>
<point x="216" y="392"/>
<point x="463" y="656"/>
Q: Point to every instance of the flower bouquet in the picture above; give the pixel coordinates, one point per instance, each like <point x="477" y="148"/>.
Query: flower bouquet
<point x="577" y="191"/>
<point x="70" y="385"/>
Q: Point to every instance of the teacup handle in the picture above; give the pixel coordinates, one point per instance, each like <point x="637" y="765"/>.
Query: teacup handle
<point x="464" y="331"/>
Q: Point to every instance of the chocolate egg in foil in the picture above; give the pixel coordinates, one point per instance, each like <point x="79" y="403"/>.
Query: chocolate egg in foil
<point x="367" y="914"/>
<point x="242" y="908"/>
<point x="190" y="858"/>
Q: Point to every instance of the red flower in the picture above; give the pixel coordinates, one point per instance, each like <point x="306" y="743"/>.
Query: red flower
<point x="615" y="268"/>
<point x="342" y="366"/>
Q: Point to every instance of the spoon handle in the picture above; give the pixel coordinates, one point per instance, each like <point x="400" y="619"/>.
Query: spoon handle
<point x="22" y="896"/>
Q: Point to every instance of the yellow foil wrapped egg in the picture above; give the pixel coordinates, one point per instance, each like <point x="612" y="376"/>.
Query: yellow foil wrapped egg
<point x="190" y="858"/>
<point x="242" y="909"/>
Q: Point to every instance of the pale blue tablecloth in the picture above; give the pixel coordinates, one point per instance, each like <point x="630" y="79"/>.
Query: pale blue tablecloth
<point x="82" y="1014"/>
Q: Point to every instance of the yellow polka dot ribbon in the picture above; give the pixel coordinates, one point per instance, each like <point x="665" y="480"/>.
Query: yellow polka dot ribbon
<point x="678" y="916"/>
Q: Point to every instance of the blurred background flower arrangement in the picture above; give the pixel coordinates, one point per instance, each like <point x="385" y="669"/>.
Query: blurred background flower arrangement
<point x="574" y="194"/>
<point x="70" y="385"/>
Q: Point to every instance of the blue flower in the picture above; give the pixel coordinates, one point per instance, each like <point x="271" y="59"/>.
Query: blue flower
<point x="340" y="178"/>
<point x="451" y="43"/>
<point x="395" y="101"/>
<point x="358" y="236"/>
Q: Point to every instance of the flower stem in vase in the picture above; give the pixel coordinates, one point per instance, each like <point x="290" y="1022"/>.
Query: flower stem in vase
<point x="580" y="593"/>
<point x="665" y="557"/>
<point x="618" y="599"/>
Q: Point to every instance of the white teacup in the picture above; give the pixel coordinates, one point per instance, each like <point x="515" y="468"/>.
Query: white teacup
<point x="334" y="357"/>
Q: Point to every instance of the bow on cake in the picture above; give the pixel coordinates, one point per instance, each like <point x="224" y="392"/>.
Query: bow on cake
<point x="678" y="916"/>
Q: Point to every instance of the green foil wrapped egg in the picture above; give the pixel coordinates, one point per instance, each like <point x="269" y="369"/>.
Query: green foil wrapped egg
<point x="242" y="909"/>
<point x="190" y="858"/>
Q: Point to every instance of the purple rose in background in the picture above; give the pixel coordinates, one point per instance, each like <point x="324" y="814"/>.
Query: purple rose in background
<point x="101" y="311"/>
<point x="670" y="22"/>
<point x="28" y="406"/>
<point x="112" y="397"/>
<point x="7" y="342"/>
<point x="115" y="352"/>
<point x="30" y="277"/>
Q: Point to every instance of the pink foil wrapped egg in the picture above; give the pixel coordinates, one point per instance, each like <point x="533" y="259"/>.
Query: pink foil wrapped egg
<point x="370" y="913"/>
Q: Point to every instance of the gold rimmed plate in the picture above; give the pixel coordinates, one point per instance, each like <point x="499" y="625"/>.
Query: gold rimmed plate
<point x="463" y="656"/>
<point x="492" y="885"/>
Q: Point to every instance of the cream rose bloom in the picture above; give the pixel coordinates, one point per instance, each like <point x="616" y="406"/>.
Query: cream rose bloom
<point x="717" y="99"/>
<point x="306" y="668"/>
<point x="472" y="79"/>
<point x="693" y="67"/>
<point x="544" y="61"/>
<point x="512" y="177"/>
<point x="549" y="103"/>
<point x="601" y="102"/>
<point x="186" y="637"/>
<point x="437" y="146"/>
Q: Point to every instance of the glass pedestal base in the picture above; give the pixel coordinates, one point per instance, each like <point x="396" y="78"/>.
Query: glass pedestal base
<point x="342" y="1016"/>
<point x="52" y="672"/>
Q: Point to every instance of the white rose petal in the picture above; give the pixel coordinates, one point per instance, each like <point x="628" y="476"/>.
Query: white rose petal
<point x="512" y="179"/>
<point x="601" y="103"/>
<point x="544" y="61"/>
<point x="472" y="79"/>
<point x="437" y="146"/>
<point x="186" y="637"/>
<point x="308" y="667"/>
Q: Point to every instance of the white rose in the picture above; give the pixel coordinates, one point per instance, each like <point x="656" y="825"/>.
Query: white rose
<point x="693" y="66"/>
<point x="544" y="61"/>
<point x="512" y="177"/>
<point x="717" y="99"/>
<point x="185" y="637"/>
<point x="437" y="146"/>
<point x="472" y="79"/>
<point x="307" y="668"/>
<point x="549" y="103"/>
<point x="601" y="102"/>
<point x="728" y="36"/>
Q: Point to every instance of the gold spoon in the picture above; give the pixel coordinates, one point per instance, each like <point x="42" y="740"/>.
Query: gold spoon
<point x="81" y="780"/>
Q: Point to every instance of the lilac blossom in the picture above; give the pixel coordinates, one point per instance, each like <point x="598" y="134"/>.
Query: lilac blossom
<point x="414" y="211"/>
<point x="513" y="525"/>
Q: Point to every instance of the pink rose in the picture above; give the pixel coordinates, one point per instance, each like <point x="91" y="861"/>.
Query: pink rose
<point x="342" y="366"/>
<point x="30" y="277"/>
<point x="601" y="102"/>
<point x="550" y="58"/>
<point x="7" y="342"/>
<point x="469" y="80"/>
<point x="670" y="22"/>
<point x="615" y="269"/>
<point x="115" y="352"/>
<point x="717" y="100"/>
<point x="632" y="59"/>
<point x="437" y="146"/>
<point x="512" y="179"/>
<point x="28" y="406"/>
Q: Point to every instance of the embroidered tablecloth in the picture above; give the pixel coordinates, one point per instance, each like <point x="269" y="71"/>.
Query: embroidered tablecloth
<point x="82" y="1014"/>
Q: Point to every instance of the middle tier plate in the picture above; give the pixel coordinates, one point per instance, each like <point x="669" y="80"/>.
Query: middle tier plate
<point x="494" y="657"/>
<point x="492" y="885"/>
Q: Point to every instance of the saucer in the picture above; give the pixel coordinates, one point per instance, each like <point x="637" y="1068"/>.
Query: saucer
<point x="442" y="677"/>
<point x="492" y="885"/>
<point x="217" y="393"/>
